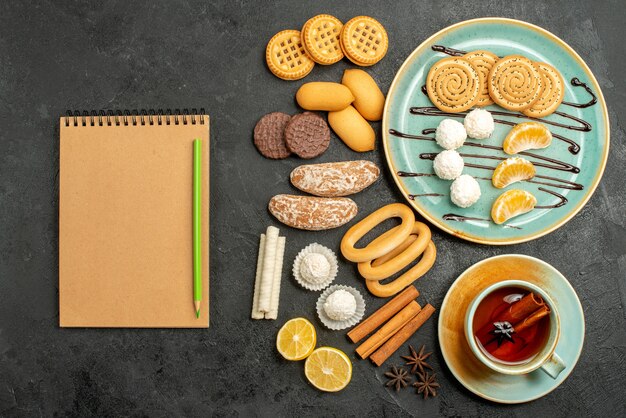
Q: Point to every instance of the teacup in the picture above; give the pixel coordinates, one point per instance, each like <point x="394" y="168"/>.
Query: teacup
<point x="546" y="358"/>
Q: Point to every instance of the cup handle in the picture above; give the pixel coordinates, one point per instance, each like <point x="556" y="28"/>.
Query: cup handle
<point x="553" y="366"/>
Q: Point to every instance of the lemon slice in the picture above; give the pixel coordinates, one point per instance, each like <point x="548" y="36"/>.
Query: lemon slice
<point x="296" y="339"/>
<point x="525" y="136"/>
<point x="512" y="170"/>
<point x="328" y="369"/>
<point x="512" y="203"/>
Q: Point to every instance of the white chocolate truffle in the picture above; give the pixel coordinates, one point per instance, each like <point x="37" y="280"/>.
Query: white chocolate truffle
<point x="315" y="268"/>
<point x="340" y="305"/>
<point x="450" y="134"/>
<point x="465" y="191"/>
<point x="479" y="124"/>
<point x="448" y="165"/>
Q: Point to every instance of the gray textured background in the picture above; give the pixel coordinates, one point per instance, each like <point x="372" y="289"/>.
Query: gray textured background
<point x="63" y="55"/>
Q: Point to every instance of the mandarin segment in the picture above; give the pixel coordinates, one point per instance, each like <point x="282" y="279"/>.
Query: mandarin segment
<point x="512" y="203"/>
<point x="511" y="171"/>
<point x="525" y="136"/>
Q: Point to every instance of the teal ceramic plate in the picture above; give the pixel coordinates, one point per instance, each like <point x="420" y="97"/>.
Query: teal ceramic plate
<point x="575" y="160"/>
<point x="457" y="354"/>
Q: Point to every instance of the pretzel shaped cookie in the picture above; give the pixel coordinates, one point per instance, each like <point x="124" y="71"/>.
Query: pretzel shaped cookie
<point x="383" y="244"/>
<point x="383" y="290"/>
<point x="400" y="257"/>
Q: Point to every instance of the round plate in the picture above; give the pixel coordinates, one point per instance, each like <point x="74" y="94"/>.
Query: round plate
<point x="457" y="354"/>
<point x="581" y="147"/>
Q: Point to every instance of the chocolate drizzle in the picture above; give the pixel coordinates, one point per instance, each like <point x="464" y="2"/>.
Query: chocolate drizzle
<point x="577" y="83"/>
<point x="462" y="218"/>
<point x="554" y="164"/>
<point x="579" y="125"/>
<point x="562" y="202"/>
<point x="573" y="148"/>
<point x="413" y="196"/>
<point x="450" y="51"/>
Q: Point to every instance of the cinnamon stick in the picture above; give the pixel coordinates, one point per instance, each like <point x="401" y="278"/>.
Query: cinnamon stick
<point x="381" y="316"/>
<point x="400" y="337"/>
<point x="532" y="319"/>
<point x="515" y="313"/>
<point x="388" y="330"/>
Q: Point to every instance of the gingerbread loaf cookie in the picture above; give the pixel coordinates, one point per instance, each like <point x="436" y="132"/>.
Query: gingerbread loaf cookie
<point x="335" y="179"/>
<point x="312" y="213"/>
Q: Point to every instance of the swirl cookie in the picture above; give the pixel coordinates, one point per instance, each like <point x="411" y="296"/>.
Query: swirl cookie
<point x="453" y="84"/>
<point x="483" y="61"/>
<point x="364" y="40"/>
<point x="515" y="83"/>
<point x="552" y="94"/>
<point x="286" y="57"/>
<point x="321" y="39"/>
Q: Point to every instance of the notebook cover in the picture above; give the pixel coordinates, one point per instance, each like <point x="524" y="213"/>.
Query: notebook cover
<point x="125" y="224"/>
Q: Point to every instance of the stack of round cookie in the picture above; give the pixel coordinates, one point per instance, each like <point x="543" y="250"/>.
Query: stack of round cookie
<point x="292" y="54"/>
<point x="480" y="78"/>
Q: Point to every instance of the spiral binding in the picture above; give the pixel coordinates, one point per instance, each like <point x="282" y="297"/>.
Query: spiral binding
<point x="135" y="117"/>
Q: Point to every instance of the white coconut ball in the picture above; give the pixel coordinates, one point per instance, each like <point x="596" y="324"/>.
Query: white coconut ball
<point x="448" y="165"/>
<point x="464" y="191"/>
<point x="479" y="124"/>
<point x="450" y="134"/>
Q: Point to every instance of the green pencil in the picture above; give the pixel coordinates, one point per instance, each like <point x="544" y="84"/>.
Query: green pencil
<point x="197" y="225"/>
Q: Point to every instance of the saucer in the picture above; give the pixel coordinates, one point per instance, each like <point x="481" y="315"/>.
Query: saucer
<point x="477" y="377"/>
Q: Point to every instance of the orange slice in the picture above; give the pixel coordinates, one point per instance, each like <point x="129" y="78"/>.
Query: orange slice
<point x="525" y="136"/>
<point x="512" y="170"/>
<point x="296" y="339"/>
<point x="512" y="203"/>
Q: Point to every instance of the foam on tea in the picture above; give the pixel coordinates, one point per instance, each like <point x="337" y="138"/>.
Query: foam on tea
<point x="512" y="325"/>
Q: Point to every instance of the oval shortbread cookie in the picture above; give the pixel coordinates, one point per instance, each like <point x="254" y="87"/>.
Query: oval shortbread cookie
<point x="312" y="213"/>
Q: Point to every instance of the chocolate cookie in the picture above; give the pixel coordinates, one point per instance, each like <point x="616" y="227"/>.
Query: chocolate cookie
<point x="307" y="135"/>
<point x="269" y="135"/>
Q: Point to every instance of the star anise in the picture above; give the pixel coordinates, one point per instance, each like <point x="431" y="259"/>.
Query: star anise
<point x="427" y="384"/>
<point x="502" y="331"/>
<point x="398" y="377"/>
<point x="417" y="360"/>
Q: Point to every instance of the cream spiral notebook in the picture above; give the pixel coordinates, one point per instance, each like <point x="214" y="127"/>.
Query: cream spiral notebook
<point x="125" y="219"/>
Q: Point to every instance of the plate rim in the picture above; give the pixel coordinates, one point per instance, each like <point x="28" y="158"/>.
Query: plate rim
<point x="440" y="224"/>
<point x="565" y="282"/>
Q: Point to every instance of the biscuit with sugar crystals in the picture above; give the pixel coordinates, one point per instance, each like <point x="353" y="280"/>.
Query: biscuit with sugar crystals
<point x="320" y="37"/>
<point x="286" y="57"/>
<point x="364" y="40"/>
